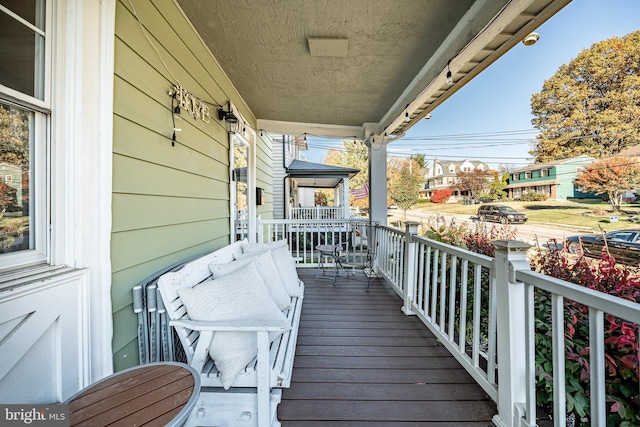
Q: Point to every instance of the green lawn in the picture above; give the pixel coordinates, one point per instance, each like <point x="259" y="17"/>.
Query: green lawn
<point x="583" y="213"/>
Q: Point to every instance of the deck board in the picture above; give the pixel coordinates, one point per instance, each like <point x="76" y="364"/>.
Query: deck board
<point x="361" y="362"/>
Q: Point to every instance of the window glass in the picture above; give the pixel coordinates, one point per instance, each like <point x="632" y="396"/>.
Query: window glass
<point x="240" y="181"/>
<point x="24" y="139"/>
<point x="16" y="137"/>
<point x="25" y="9"/>
<point x="22" y="46"/>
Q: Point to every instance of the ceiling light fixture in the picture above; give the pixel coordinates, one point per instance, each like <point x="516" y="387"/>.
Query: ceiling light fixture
<point x="531" y="39"/>
<point x="449" y="75"/>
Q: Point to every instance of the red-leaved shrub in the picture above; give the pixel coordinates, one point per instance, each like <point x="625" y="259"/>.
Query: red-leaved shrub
<point x="441" y="196"/>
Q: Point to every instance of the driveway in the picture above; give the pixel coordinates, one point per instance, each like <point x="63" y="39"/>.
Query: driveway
<point x="531" y="233"/>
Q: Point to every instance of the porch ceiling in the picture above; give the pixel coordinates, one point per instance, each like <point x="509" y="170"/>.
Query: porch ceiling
<point x="396" y="56"/>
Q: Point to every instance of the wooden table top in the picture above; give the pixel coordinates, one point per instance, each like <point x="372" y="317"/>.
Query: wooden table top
<point x="156" y="394"/>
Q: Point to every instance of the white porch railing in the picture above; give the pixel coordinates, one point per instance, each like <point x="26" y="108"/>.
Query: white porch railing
<point x="452" y="291"/>
<point x="598" y="303"/>
<point x="318" y="212"/>
<point x="482" y="310"/>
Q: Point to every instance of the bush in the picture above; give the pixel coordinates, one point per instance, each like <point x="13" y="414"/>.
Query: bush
<point x="441" y="196"/>
<point x="533" y="197"/>
<point x="487" y="197"/>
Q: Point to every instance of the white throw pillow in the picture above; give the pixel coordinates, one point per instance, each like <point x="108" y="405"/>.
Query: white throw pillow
<point x="240" y="295"/>
<point x="287" y="268"/>
<point x="267" y="269"/>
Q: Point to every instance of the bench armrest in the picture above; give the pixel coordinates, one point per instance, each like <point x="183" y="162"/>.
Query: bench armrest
<point x="231" y="325"/>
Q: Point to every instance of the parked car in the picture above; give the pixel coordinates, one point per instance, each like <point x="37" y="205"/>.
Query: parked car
<point x="624" y="245"/>
<point x="503" y="214"/>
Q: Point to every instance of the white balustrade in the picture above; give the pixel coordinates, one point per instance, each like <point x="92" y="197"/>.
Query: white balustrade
<point x="480" y="308"/>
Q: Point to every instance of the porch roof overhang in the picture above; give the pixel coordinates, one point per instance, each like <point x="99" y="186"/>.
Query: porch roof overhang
<point x="353" y="68"/>
<point x="532" y="183"/>
<point x="318" y="175"/>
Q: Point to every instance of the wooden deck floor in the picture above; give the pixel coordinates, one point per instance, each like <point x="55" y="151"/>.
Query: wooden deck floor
<point x="361" y="362"/>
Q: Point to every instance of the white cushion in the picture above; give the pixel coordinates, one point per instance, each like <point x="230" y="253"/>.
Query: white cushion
<point x="196" y="271"/>
<point x="267" y="269"/>
<point x="287" y="268"/>
<point x="240" y="295"/>
<point x="251" y="248"/>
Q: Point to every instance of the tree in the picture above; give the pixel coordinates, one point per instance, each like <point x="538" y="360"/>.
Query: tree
<point x="612" y="176"/>
<point x="473" y="182"/>
<point x="420" y="159"/>
<point x="354" y="155"/>
<point x="592" y="105"/>
<point x="498" y="184"/>
<point x="404" y="185"/>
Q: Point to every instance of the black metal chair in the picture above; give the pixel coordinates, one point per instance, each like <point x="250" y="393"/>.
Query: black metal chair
<point x="360" y="250"/>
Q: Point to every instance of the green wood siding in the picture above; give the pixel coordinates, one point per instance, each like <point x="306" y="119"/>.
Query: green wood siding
<point x="566" y="174"/>
<point x="169" y="202"/>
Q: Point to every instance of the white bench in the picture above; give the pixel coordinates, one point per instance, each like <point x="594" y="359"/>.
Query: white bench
<point x="253" y="398"/>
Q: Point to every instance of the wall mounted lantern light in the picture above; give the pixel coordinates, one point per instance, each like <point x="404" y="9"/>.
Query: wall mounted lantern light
<point x="231" y="122"/>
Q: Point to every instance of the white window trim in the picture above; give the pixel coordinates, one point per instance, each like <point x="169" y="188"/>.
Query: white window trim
<point x="81" y="161"/>
<point x="248" y="137"/>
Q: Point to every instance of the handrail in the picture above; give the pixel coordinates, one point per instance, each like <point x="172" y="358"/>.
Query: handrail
<point x="619" y="307"/>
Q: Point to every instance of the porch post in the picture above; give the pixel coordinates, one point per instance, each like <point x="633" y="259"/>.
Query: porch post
<point x="409" y="285"/>
<point x="378" y="183"/>
<point x="510" y="256"/>
<point x="345" y="198"/>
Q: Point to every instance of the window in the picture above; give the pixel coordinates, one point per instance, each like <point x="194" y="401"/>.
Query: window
<point x="544" y="172"/>
<point x="24" y="117"/>
<point x="240" y="182"/>
<point x="243" y="186"/>
<point x="527" y="175"/>
<point x="543" y="189"/>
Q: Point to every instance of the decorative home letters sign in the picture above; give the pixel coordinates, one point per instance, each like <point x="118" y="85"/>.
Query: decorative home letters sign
<point x="194" y="106"/>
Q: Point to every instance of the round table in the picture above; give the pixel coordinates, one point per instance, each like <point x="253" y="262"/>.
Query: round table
<point x="157" y="394"/>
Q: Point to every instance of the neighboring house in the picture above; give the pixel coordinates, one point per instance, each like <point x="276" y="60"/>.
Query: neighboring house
<point x="12" y="176"/>
<point x="443" y="174"/>
<point x="634" y="151"/>
<point x="295" y="181"/>
<point x="133" y="116"/>
<point x="553" y="179"/>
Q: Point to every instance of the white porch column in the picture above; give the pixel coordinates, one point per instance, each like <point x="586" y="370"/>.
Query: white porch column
<point x="510" y="256"/>
<point x="344" y="196"/>
<point x="378" y="182"/>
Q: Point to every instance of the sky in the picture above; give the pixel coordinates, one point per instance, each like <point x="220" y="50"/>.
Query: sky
<point x="489" y="119"/>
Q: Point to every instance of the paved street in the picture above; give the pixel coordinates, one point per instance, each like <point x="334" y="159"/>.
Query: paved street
<point x="531" y="233"/>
